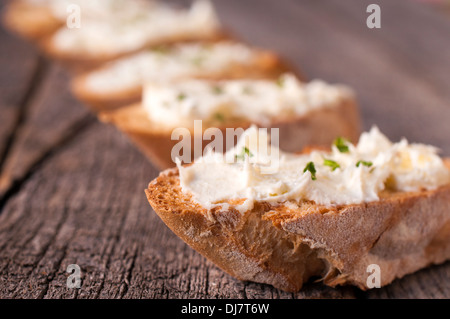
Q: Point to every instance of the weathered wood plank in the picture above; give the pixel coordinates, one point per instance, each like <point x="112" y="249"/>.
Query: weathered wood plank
<point x="82" y="201"/>
<point x="407" y="93"/>
<point x="425" y="53"/>
<point x="401" y="89"/>
<point x="53" y="116"/>
<point x="432" y="282"/>
<point x="19" y="65"/>
<point x="86" y="205"/>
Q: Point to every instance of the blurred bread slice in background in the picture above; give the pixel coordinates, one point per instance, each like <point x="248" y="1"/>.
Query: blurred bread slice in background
<point x="305" y="113"/>
<point x="120" y="82"/>
<point x="117" y="35"/>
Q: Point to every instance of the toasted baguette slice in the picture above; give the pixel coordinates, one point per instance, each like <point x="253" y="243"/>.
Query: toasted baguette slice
<point x="82" y="63"/>
<point x="266" y="64"/>
<point x="285" y="245"/>
<point x="319" y="127"/>
<point x="102" y="40"/>
<point x="31" y="22"/>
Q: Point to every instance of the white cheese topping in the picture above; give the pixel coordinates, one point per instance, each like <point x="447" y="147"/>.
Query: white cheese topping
<point x="166" y="64"/>
<point x="38" y="3"/>
<point x="125" y="32"/>
<point x="352" y="177"/>
<point x="256" y="100"/>
<point x="95" y="9"/>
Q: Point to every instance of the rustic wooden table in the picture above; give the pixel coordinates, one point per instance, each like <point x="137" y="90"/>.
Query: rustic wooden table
<point x="72" y="189"/>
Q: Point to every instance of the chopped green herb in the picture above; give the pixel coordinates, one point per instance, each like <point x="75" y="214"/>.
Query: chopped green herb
<point x="245" y="151"/>
<point x="341" y="144"/>
<point x="280" y="82"/>
<point x="207" y="46"/>
<point x="368" y="164"/>
<point x="198" y="61"/>
<point x="181" y="96"/>
<point x="331" y="163"/>
<point x="161" y="49"/>
<point x="312" y="169"/>
<point x="217" y="89"/>
<point x="142" y="16"/>
<point x="219" y="117"/>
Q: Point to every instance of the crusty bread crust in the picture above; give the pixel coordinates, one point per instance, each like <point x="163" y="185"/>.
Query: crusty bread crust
<point x="318" y="127"/>
<point x="267" y="65"/>
<point x="284" y="246"/>
<point x="29" y="21"/>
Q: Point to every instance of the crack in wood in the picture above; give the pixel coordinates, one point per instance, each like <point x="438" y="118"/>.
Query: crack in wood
<point x="129" y="273"/>
<point x="34" y="84"/>
<point x="44" y="291"/>
<point x="35" y="271"/>
<point x="73" y="131"/>
<point x="117" y="237"/>
<point x="46" y="248"/>
<point x="97" y="179"/>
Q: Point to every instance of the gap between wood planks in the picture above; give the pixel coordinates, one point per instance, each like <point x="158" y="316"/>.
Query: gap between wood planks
<point x="9" y="186"/>
<point x="15" y="186"/>
<point x="33" y="85"/>
<point x="102" y="286"/>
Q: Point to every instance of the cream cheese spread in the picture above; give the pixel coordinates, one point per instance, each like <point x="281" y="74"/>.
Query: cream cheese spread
<point x="136" y="27"/>
<point x="257" y="101"/>
<point x="165" y="64"/>
<point x="349" y="174"/>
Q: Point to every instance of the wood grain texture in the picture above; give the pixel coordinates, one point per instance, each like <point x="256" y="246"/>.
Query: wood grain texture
<point x="79" y="190"/>
<point x="19" y="65"/>
<point x="53" y="116"/>
<point x="400" y="72"/>
<point x="85" y="206"/>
